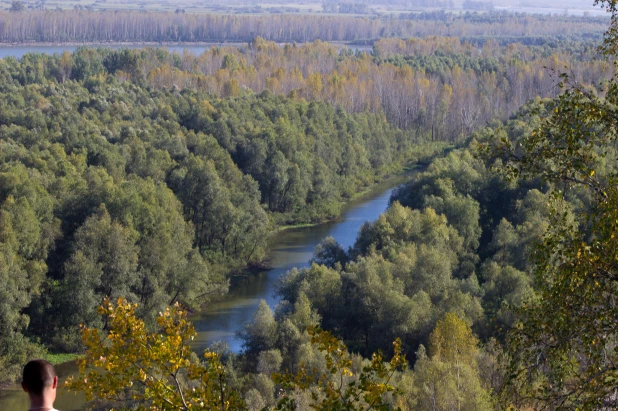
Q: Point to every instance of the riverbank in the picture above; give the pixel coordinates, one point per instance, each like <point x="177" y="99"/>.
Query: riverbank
<point x="292" y="248"/>
<point x="359" y="196"/>
<point x="61" y="358"/>
<point x="240" y="278"/>
<point x="420" y="159"/>
<point x="55" y="359"/>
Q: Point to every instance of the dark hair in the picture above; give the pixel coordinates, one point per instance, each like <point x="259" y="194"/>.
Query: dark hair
<point x="38" y="375"/>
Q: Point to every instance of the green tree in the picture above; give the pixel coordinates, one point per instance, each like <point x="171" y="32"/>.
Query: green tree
<point x="506" y="290"/>
<point x="563" y="342"/>
<point x="170" y="268"/>
<point x="28" y="230"/>
<point x="103" y="264"/>
<point x="329" y="253"/>
<point x="260" y="334"/>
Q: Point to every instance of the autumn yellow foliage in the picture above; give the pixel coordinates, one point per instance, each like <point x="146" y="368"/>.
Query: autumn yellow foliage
<point x="150" y="370"/>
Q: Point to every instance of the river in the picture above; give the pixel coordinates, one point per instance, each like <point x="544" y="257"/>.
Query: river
<point x="289" y="249"/>
<point x="221" y="321"/>
<point x="17" y="51"/>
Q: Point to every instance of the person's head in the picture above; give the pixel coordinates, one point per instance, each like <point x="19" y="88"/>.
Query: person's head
<point x="39" y="380"/>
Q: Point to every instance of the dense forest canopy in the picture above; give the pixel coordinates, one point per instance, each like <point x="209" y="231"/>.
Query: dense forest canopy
<point x="440" y="88"/>
<point x="110" y="187"/>
<point x="148" y="178"/>
<point x="122" y="26"/>
<point x="446" y="268"/>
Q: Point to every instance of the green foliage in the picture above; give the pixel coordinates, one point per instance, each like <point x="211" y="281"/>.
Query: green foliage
<point x="329" y="253"/>
<point x="260" y="334"/>
<point x="397" y="283"/>
<point x="338" y="387"/>
<point x="103" y="263"/>
<point x="112" y="188"/>
<point x="470" y="263"/>
<point x="16" y="350"/>
<point x="563" y="341"/>
<point x="28" y="230"/>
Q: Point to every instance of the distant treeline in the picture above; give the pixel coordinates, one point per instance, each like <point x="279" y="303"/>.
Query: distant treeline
<point x="87" y="26"/>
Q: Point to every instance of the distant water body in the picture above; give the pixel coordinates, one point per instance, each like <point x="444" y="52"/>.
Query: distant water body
<point x="18" y="51"/>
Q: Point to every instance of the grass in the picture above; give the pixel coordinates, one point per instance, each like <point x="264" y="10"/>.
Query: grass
<point x="413" y="167"/>
<point x="300" y="225"/>
<point x="60" y="358"/>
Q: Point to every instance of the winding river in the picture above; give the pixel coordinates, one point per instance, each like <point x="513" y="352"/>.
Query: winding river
<point x="221" y="321"/>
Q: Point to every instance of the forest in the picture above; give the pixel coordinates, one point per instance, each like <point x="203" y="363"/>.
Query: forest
<point x="134" y="26"/>
<point x="437" y="88"/>
<point x="135" y="183"/>
<point x="114" y="188"/>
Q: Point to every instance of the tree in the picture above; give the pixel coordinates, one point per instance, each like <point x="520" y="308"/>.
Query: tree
<point x="28" y="230"/>
<point x="260" y="334"/>
<point x="339" y="388"/>
<point x="568" y="359"/>
<point x="563" y="341"/>
<point x="103" y="264"/>
<point x="506" y="289"/>
<point x="329" y="253"/>
<point x="452" y="341"/>
<point x="17" y="6"/>
<point x="449" y="379"/>
<point x="150" y="370"/>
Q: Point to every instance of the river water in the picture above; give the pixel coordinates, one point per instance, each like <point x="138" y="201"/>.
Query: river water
<point x="221" y="321"/>
<point x="18" y="51"/>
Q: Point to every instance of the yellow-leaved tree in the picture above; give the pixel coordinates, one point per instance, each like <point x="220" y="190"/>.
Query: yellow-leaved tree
<point x="448" y="379"/>
<point x="150" y="370"/>
<point x="156" y="370"/>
